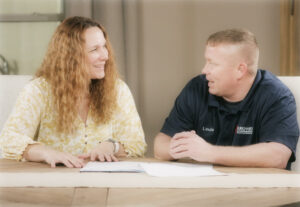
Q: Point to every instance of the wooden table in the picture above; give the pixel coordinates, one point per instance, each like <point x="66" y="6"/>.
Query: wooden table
<point x="127" y="194"/>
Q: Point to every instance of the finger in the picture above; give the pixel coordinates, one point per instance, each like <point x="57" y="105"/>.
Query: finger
<point x="72" y="160"/>
<point x="173" y="141"/>
<point x="93" y="156"/>
<point x="181" y="135"/>
<point x="66" y="162"/>
<point x="114" y="158"/>
<point x="81" y="161"/>
<point x="75" y="162"/>
<point x="101" y="158"/>
<point x="193" y="131"/>
<point x="178" y="142"/>
<point x="179" y="155"/>
<point x="178" y="149"/>
<point x="107" y="157"/>
<point x="51" y="162"/>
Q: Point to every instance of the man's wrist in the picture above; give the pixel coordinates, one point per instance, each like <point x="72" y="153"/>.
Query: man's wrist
<point x="213" y="155"/>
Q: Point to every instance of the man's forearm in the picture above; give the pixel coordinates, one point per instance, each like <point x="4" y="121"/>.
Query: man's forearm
<point x="162" y="146"/>
<point x="271" y="154"/>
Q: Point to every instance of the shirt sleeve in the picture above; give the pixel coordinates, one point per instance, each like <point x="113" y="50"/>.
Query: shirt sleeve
<point x="127" y="126"/>
<point x="21" y="126"/>
<point x="279" y="123"/>
<point x="181" y="117"/>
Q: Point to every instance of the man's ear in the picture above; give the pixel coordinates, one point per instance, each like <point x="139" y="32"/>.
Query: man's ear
<point x="242" y="70"/>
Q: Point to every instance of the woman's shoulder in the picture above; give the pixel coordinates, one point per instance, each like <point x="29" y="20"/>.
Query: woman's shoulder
<point x="120" y="83"/>
<point x="121" y="86"/>
<point x="38" y="84"/>
<point x="123" y="91"/>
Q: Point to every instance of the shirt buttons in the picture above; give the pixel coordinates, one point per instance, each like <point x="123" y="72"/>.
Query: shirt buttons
<point x="85" y="135"/>
<point x="85" y="142"/>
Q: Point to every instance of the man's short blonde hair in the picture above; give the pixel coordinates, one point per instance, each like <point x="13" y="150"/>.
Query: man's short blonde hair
<point x="241" y="37"/>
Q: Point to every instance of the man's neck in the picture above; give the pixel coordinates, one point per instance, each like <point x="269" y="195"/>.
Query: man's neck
<point x="242" y="89"/>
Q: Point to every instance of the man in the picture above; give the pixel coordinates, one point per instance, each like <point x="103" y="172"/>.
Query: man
<point x="233" y="114"/>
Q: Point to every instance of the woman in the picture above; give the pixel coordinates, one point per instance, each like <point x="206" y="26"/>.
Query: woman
<point x="76" y="107"/>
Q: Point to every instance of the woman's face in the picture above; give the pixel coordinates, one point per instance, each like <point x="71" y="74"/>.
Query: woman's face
<point x="97" y="54"/>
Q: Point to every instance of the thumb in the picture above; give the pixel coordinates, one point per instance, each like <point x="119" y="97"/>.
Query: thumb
<point x="193" y="131"/>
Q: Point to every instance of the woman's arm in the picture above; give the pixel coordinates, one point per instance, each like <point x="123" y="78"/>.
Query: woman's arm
<point x="127" y="126"/>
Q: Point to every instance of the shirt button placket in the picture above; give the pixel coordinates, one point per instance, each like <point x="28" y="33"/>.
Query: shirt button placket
<point x="85" y="138"/>
<point x="85" y="135"/>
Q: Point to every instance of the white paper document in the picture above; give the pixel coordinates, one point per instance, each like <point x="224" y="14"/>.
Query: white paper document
<point x="179" y="169"/>
<point x="159" y="169"/>
<point x="122" y="166"/>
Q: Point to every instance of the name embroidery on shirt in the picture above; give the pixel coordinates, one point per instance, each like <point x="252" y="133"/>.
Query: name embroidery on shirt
<point x="208" y="129"/>
<point x="243" y="130"/>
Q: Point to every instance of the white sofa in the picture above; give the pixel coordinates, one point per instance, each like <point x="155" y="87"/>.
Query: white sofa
<point x="10" y="86"/>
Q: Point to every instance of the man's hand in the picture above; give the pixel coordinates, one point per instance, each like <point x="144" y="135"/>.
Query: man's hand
<point x="189" y="144"/>
<point x="104" y="151"/>
<point x="41" y="153"/>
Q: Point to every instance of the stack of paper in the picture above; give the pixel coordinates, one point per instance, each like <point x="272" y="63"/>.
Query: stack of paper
<point x="160" y="169"/>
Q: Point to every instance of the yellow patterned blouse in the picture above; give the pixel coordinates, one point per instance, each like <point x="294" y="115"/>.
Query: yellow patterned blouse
<point x="32" y="121"/>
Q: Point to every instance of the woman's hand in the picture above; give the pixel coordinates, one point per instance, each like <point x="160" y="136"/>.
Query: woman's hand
<point x="104" y="151"/>
<point x="41" y="153"/>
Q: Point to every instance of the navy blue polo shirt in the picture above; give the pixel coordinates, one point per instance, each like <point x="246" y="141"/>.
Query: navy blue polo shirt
<point x="267" y="114"/>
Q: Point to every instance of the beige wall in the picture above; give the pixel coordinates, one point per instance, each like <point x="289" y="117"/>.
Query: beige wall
<point x="298" y="34"/>
<point x="173" y="39"/>
<point x="159" y="44"/>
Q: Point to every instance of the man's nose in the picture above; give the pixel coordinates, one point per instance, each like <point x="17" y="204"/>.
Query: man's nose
<point x="204" y="69"/>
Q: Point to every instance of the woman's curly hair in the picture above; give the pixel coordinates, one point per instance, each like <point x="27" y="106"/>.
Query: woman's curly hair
<point x="66" y="69"/>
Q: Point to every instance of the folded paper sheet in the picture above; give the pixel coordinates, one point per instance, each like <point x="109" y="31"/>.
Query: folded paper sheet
<point x="159" y="169"/>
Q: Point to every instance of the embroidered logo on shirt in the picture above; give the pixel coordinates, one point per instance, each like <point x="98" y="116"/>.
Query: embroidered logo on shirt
<point x="243" y="130"/>
<point x="208" y="129"/>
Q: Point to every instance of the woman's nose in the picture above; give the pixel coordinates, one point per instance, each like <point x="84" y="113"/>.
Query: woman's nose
<point x="103" y="54"/>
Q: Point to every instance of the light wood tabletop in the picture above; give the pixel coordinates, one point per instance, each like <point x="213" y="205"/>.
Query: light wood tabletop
<point x="111" y="194"/>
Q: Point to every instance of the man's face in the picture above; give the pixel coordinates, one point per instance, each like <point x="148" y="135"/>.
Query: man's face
<point x="221" y="69"/>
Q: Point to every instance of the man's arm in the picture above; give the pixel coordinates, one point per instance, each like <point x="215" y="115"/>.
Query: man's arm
<point x="189" y="144"/>
<point x="271" y="154"/>
<point x="162" y="147"/>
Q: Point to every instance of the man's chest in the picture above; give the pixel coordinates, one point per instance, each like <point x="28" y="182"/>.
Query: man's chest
<point x="233" y="129"/>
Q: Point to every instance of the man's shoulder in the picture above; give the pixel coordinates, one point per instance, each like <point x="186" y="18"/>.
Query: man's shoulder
<point x="199" y="79"/>
<point x="197" y="83"/>
<point x="270" y="89"/>
<point x="272" y="85"/>
<point x="194" y="91"/>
